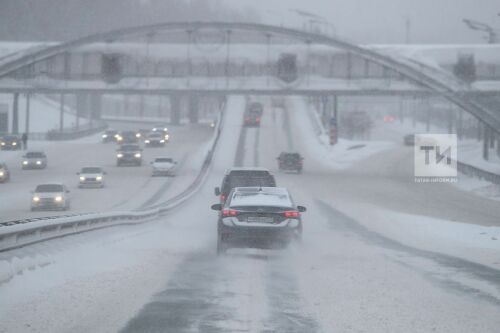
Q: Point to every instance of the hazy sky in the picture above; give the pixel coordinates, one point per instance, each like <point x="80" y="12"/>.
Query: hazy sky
<point x="383" y="21"/>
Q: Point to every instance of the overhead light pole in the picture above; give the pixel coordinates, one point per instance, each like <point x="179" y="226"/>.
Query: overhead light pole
<point x="492" y="34"/>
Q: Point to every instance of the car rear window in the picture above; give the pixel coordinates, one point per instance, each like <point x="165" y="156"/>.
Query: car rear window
<point x="49" y="188"/>
<point x="260" y="198"/>
<point x="164" y="160"/>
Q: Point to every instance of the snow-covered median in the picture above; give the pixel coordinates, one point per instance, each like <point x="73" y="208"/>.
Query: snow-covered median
<point x="344" y="154"/>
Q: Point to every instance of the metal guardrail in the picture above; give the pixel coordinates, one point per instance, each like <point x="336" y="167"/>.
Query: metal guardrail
<point x="473" y="171"/>
<point x="15" y="234"/>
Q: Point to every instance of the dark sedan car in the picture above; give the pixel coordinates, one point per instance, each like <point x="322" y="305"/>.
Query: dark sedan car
<point x="10" y="142"/>
<point x="258" y="217"/>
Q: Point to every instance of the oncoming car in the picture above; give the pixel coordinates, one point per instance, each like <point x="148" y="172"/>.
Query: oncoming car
<point x="50" y="197"/>
<point x="155" y="139"/>
<point x="258" y="217"/>
<point x="34" y="160"/>
<point x="4" y="173"/>
<point x="129" y="154"/>
<point x="109" y="136"/>
<point x="91" y="177"/>
<point x="10" y="142"/>
<point x="163" y="166"/>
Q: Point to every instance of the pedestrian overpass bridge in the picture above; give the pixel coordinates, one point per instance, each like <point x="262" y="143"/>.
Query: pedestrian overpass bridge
<point x="220" y="58"/>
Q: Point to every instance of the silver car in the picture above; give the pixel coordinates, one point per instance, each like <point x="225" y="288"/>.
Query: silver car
<point x="34" y="160"/>
<point x="163" y="166"/>
<point x="91" y="177"/>
<point x="53" y="196"/>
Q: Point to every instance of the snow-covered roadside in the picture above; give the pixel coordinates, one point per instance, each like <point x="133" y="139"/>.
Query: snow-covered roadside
<point x="340" y="156"/>
<point x="469" y="152"/>
<point x="472" y="242"/>
<point x="44" y="114"/>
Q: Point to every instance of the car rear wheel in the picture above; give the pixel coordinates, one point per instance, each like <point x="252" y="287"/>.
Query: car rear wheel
<point x="221" y="246"/>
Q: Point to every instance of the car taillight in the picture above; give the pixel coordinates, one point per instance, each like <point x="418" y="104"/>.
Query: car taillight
<point x="291" y="214"/>
<point x="257" y="119"/>
<point x="229" y="212"/>
<point x="222" y="198"/>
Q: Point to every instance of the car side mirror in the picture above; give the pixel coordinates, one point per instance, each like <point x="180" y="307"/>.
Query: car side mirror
<point x="217" y="191"/>
<point x="216" y="207"/>
<point x="301" y="209"/>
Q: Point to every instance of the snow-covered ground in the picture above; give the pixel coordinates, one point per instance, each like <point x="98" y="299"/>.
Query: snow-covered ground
<point x="44" y="114"/>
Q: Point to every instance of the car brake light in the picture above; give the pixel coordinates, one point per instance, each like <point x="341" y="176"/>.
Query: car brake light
<point x="291" y="214"/>
<point x="258" y="119"/>
<point x="230" y="212"/>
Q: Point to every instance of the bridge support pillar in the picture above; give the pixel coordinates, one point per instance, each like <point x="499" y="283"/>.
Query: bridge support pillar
<point x="82" y="108"/>
<point x="95" y="107"/>
<point x="175" y="110"/>
<point x="486" y="139"/>
<point x="194" y="108"/>
<point x="15" y="114"/>
<point x="61" y="113"/>
<point x="450" y="118"/>
<point x="460" y="124"/>
<point x="27" y="115"/>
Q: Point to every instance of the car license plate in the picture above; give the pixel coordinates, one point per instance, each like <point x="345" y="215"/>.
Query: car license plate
<point x="260" y="219"/>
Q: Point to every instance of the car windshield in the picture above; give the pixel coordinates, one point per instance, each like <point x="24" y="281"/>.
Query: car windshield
<point x="35" y="155"/>
<point x="154" y="136"/>
<point x="129" y="148"/>
<point x="164" y="160"/>
<point x="91" y="170"/>
<point x="49" y="188"/>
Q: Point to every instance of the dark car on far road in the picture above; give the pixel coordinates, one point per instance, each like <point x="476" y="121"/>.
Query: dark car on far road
<point x="109" y="135"/>
<point x="258" y="217"/>
<point x="127" y="137"/>
<point x="129" y="155"/>
<point x="10" y="142"/>
<point x="242" y="177"/>
<point x="290" y="162"/>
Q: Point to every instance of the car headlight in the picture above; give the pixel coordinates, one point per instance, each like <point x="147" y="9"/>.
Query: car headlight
<point x="58" y="198"/>
<point x="138" y="135"/>
<point x="98" y="178"/>
<point x="82" y="178"/>
<point x="137" y="155"/>
<point x="36" y="199"/>
<point x="3" y="143"/>
<point x="14" y="143"/>
<point x="119" y="138"/>
<point x="165" y="129"/>
<point x="167" y="136"/>
<point x="162" y="141"/>
<point x="147" y="141"/>
<point x="25" y="162"/>
<point x="119" y="155"/>
<point x="38" y="162"/>
<point x="1" y="173"/>
<point x="104" y="136"/>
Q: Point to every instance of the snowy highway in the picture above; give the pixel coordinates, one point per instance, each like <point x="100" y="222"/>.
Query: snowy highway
<point x="65" y="159"/>
<point x="364" y="266"/>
